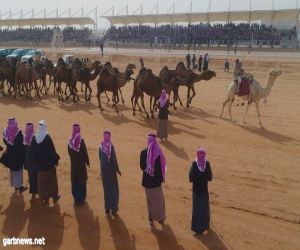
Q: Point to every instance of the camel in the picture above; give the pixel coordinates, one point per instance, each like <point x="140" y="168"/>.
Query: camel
<point x="166" y="73"/>
<point x="25" y="76"/>
<point x="82" y="74"/>
<point x="49" y="71"/>
<point x="64" y="74"/>
<point x="188" y="78"/>
<point x="152" y="85"/>
<point x="109" y="81"/>
<point x="94" y="66"/>
<point x="257" y="92"/>
<point x="6" y="74"/>
<point x="114" y="70"/>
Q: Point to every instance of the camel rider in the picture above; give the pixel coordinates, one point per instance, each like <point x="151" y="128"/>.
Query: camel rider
<point x="188" y="60"/>
<point x="237" y="70"/>
<point x="142" y="62"/>
<point x="194" y="61"/>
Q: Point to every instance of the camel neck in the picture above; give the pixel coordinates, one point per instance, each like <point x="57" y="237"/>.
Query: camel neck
<point x="270" y="82"/>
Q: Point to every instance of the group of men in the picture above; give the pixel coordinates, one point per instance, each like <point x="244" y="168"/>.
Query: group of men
<point x="202" y="62"/>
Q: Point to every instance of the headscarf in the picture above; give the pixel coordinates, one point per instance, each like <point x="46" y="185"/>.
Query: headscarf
<point x="164" y="98"/>
<point x="75" y="139"/>
<point x="153" y="152"/>
<point x="29" y="132"/>
<point x="11" y="131"/>
<point x="201" y="159"/>
<point x="42" y="132"/>
<point x="106" y="144"/>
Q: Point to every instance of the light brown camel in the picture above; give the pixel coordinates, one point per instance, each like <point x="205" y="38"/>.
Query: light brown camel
<point x="109" y="81"/>
<point x="152" y="85"/>
<point x="187" y="77"/>
<point x="26" y="76"/>
<point x="257" y="92"/>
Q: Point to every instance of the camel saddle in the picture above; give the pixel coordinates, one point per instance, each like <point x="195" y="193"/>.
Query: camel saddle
<point x="244" y="87"/>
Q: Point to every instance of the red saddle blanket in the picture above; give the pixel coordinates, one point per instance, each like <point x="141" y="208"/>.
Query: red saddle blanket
<point x="244" y="87"/>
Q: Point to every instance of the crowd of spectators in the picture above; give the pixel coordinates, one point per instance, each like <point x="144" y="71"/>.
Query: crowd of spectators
<point x="198" y="33"/>
<point x="44" y="35"/>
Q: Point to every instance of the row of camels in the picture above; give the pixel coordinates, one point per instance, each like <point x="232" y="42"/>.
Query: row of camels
<point x="110" y="79"/>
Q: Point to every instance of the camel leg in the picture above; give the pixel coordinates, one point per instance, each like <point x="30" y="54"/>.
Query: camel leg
<point x="121" y="96"/>
<point x="114" y="100"/>
<point x="107" y="96"/>
<point x="86" y="99"/>
<point x="82" y="87"/>
<point x="37" y="89"/>
<point x="224" y="105"/>
<point x="151" y="111"/>
<point x="258" y="113"/>
<point x="143" y="104"/>
<point x="133" y="107"/>
<point x="99" y="100"/>
<point x="229" y="109"/>
<point x="194" y="94"/>
<point x="188" y="97"/>
<point x="90" y="89"/>
<point x="246" y="110"/>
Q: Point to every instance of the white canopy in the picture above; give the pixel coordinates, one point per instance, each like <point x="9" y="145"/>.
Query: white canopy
<point x="232" y="16"/>
<point x="46" y="21"/>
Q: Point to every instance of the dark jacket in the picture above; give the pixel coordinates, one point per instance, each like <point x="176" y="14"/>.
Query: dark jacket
<point x="44" y="154"/>
<point x="149" y="181"/>
<point x="200" y="179"/>
<point x="163" y="113"/>
<point x="79" y="160"/>
<point x="29" y="164"/>
<point x="14" y="156"/>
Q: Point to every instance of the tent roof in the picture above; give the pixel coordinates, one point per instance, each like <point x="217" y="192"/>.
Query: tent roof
<point x="46" y="21"/>
<point x="232" y="16"/>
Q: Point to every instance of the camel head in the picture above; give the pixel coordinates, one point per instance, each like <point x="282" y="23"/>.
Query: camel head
<point x="208" y="74"/>
<point x="131" y="66"/>
<point x="274" y="73"/>
<point x="129" y="72"/>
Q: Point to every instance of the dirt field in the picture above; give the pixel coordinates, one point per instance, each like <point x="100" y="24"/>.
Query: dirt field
<point x="254" y="195"/>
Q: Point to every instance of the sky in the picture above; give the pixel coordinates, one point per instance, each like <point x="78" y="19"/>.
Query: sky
<point x="181" y="6"/>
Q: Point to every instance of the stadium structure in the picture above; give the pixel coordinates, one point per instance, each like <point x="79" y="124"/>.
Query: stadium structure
<point x="55" y="18"/>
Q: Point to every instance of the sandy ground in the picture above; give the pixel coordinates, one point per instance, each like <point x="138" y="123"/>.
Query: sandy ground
<point x="255" y="192"/>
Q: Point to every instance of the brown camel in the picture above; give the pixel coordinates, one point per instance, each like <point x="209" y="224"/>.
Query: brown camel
<point x="152" y="85"/>
<point x="26" y="76"/>
<point x="64" y="74"/>
<point x="94" y="66"/>
<point x="114" y="70"/>
<point x="187" y="77"/>
<point x="110" y="81"/>
<point x="165" y="74"/>
<point x="82" y="74"/>
<point x="6" y="74"/>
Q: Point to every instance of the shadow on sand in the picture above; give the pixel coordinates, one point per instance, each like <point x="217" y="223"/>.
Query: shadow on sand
<point x="166" y="238"/>
<point x="270" y="135"/>
<point x="15" y="216"/>
<point x="212" y="240"/>
<point x="120" y="233"/>
<point x="88" y="227"/>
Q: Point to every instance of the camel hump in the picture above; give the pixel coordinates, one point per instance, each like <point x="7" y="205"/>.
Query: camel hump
<point x="180" y="65"/>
